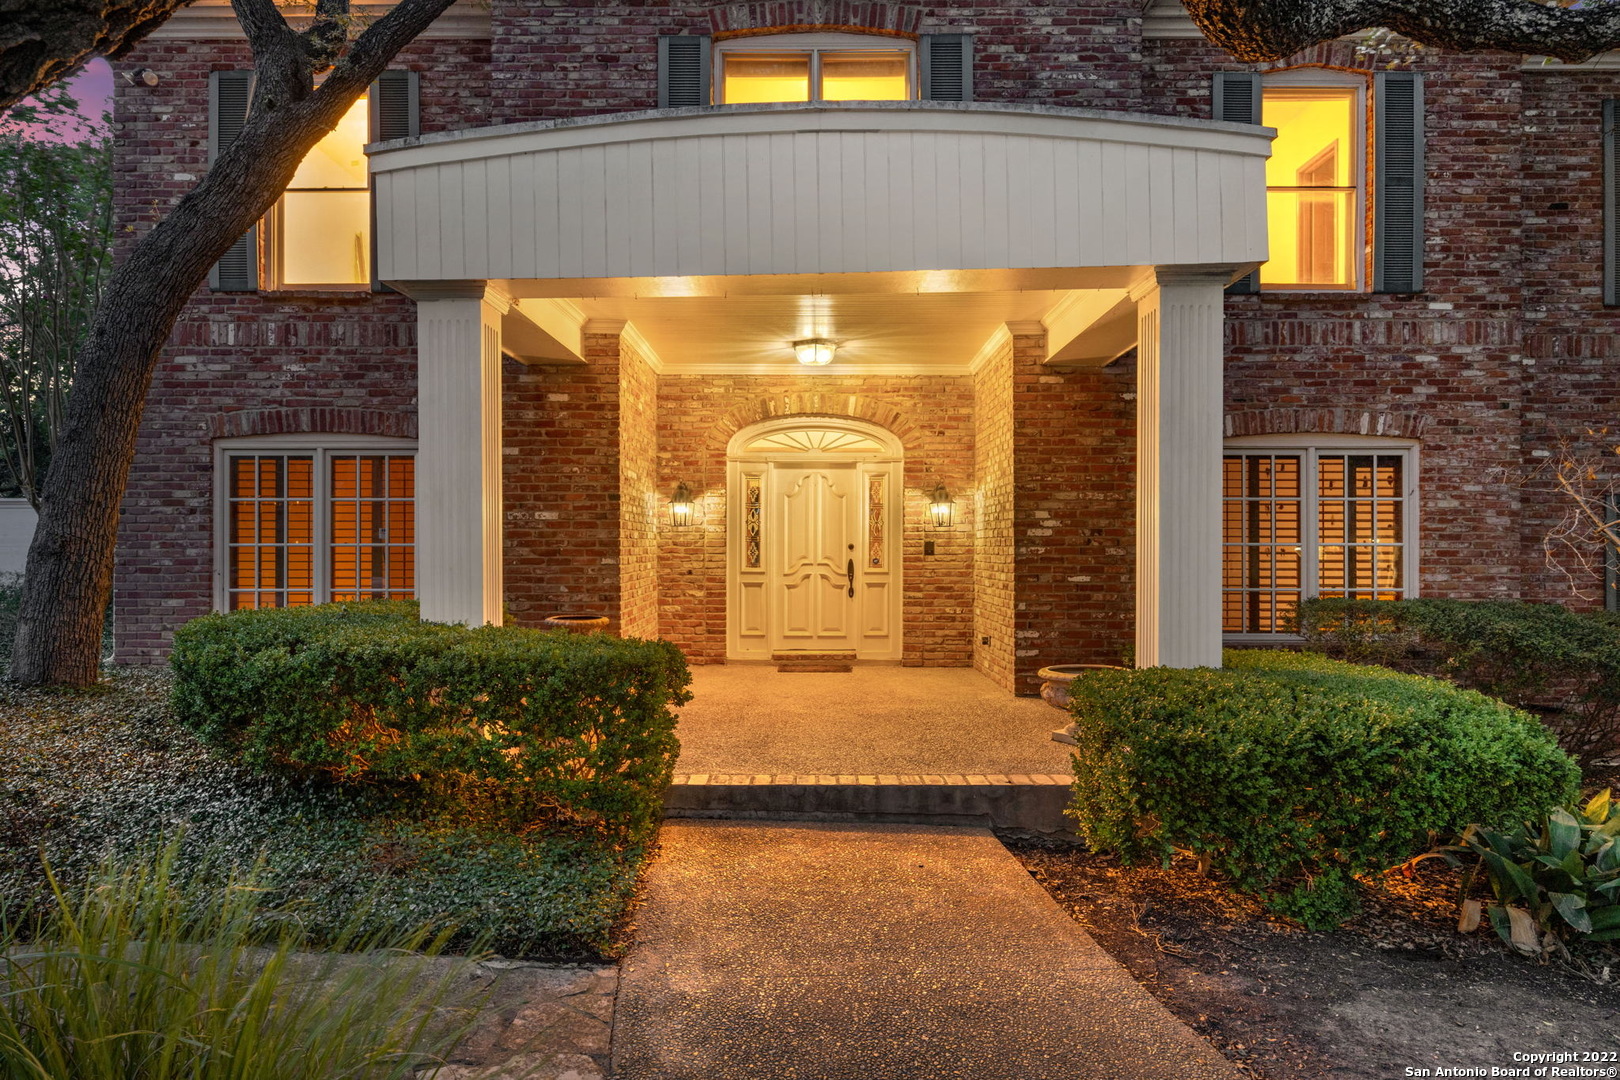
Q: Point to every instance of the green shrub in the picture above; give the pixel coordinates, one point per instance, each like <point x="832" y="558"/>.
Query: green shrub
<point x="533" y="726"/>
<point x="136" y="975"/>
<point x="1292" y="773"/>
<point x="87" y="776"/>
<point x="1559" y="873"/>
<point x="1537" y="656"/>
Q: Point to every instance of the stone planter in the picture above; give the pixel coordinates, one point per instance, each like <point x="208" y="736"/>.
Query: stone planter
<point x="1055" y="682"/>
<point x="577" y="624"/>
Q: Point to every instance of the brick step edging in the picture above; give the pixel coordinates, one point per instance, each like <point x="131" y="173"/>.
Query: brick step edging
<point x="1016" y="802"/>
<point x="869" y="780"/>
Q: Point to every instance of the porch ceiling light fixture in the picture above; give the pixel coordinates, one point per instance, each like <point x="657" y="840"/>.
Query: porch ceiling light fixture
<point x="815" y="352"/>
<point x="683" y="509"/>
<point x="941" y="507"/>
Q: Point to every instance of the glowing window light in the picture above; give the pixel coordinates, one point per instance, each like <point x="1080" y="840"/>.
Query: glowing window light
<point x="1312" y="184"/>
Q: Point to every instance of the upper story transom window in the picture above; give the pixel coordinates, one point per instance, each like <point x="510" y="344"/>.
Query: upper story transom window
<point x="1314" y="184"/>
<point x="814" y="67"/>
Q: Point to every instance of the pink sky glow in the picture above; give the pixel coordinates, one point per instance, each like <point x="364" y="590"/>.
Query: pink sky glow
<point x="94" y="88"/>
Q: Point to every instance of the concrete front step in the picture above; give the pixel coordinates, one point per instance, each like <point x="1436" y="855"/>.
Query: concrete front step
<point x="1032" y="802"/>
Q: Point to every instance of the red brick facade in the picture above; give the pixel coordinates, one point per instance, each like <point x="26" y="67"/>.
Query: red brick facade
<point x="1506" y="352"/>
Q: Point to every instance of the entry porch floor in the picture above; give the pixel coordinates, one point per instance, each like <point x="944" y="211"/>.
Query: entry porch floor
<point x="879" y="743"/>
<point x="750" y="719"/>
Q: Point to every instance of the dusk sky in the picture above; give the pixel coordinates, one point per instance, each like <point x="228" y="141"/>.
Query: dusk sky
<point x="93" y="88"/>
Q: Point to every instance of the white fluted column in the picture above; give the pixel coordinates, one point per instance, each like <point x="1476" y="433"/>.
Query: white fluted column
<point x="458" y="455"/>
<point x="1179" y="433"/>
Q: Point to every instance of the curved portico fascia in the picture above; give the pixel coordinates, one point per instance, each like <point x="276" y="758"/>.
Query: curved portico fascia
<point x="855" y="188"/>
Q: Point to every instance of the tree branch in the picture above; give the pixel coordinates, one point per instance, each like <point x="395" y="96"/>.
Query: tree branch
<point x="45" y="41"/>
<point x="1268" y="30"/>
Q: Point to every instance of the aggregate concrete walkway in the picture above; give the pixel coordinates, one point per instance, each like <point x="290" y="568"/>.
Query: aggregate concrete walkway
<point x="752" y="719"/>
<point x="817" y="951"/>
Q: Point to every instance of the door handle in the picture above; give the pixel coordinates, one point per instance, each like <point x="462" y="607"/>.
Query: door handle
<point x="851" y="572"/>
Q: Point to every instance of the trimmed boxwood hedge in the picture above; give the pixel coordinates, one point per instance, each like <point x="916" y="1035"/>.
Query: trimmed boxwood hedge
<point x="1291" y="773"/>
<point x="1543" y="656"/>
<point x="533" y="726"/>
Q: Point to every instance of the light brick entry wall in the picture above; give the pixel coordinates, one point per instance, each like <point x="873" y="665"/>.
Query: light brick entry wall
<point x="932" y="415"/>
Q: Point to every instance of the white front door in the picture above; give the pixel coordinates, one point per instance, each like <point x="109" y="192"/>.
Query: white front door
<point x="812" y="566"/>
<point x="814" y="557"/>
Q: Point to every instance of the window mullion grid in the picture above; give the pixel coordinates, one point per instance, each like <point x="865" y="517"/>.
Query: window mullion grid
<point x="815" y="75"/>
<point x="322" y="489"/>
<point x="1310" y="532"/>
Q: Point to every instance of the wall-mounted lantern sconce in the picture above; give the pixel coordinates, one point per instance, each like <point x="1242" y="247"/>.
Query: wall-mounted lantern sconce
<point x="683" y="509"/>
<point x="815" y="352"/>
<point x="941" y="507"/>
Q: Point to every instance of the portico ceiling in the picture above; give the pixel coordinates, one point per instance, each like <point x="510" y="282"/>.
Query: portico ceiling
<point x="877" y="334"/>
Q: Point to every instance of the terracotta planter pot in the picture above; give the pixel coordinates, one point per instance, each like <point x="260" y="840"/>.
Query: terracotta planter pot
<point x="577" y="624"/>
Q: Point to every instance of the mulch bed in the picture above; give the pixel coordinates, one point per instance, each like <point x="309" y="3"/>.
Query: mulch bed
<point x="1398" y="987"/>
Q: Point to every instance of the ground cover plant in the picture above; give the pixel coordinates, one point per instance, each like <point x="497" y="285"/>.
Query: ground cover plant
<point x="1562" y="664"/>
<point x="85" y="774"/>
<point x="1291" y="774"/>
<point x="139" y="973"/>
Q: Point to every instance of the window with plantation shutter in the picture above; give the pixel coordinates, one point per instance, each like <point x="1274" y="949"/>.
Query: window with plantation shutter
<point x="305" y="523"/>
<point x="683" y="71"/>
<point x="1611" y="205"/>
<point x="947" y="67"/>
<point x="1236" y="100"/>
<point x="1306" y="516"/>
<point x="1398" y="182"/>
<point x="229" y="93"/>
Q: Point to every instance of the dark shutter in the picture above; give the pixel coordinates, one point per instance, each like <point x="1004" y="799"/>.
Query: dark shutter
<point x="1398" y="182"/>
<point x="1237" y="99"/>
<point x="396" y="113"/>
<point x="228" y="95"/>
<point x="1611" y="205"/>
<point x="683" y="71"/>
<point x="947" y="67"/>
<point x="395" y="106"/>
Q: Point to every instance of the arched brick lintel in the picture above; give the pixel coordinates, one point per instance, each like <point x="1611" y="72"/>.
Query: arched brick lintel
<point x="326" y="421"/>
<point x="1340" y="55"/>
<point x="851" y="16"/>
<point x="853" y="406"/>
<point x="1391" y="425"/>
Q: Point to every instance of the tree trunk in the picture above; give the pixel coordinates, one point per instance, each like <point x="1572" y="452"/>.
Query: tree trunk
<point x="70" y="562"/>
